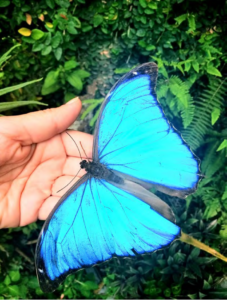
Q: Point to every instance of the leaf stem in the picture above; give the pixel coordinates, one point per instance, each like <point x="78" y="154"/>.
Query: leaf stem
<point x="191" y="241"/>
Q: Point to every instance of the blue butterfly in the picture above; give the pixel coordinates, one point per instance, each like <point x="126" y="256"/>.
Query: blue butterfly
<point x="110" y="211"/>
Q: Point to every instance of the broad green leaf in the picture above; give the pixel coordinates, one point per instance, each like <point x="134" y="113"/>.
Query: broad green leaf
<point x="7" y="280"/>
<point x="223" y="145"/>
<point x="51" y="83"/>
<point x="16" y="87"/>
<point x="37" y="34"/>
<point x="187" y="66"/>
<point x="143" y="3"/>
<point x="148" y="11"/>
<point x="86" y="28"/>
<point x="191" y="22"/>
<point x="141" y="32"/>
<point x="152" y="5"/>
<point x="50" y="3"/>
<point x="68" y="97"/>
<point x="215" y="115"/>
<point x="37" y="47"/>
<point x="98" y="19"/>
<point x="195" y="66"/>
<point x="15" y="275"/>
<point x="6" y="55"/>
<point x="90" y="285"/>
<point x="28" y="39"/>
<point x="11" y="105"/>
<point x="71" y="29"/>
<point x="71" y="64"/>
<point x="58" y="53"/>
<point x="213" y="71"/>
<point x="181" y="18"/>
<point x="56" y="40"/>
<point x="14" y="290"/>
<point x="25" y="31"/>
<point x="82" y="74"/>
<point x="46" y="50"/>
<point x="4" y="3"/>
<point x="75" y="80"/>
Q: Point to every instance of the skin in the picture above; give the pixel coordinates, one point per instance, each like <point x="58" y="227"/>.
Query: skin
<point x="37" y="159"/>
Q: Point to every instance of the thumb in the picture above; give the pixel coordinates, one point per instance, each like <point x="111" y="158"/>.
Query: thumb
<point x="42" y="125"/>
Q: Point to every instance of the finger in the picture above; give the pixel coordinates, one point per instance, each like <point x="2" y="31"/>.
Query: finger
<point x="80" y="145"/>
<point x="47" y="207"/>
<point x="41" y="125"/>
<point x="72" y="167"/>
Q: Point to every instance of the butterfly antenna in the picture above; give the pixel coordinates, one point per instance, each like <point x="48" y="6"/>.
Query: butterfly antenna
<point x="84" y="151"/>
<point x="75" y="144"/>
<point x="69" y="182"/>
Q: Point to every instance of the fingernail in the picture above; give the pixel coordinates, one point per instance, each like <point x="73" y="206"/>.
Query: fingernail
<point x="72" y="101"/>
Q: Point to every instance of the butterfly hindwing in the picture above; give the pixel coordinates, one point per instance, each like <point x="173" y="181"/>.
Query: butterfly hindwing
<point x="133" y="136"/>
<point x="93" y="223"/>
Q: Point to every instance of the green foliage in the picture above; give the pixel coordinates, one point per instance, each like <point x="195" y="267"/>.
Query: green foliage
<point x="208" y="107"/>
<point x="74" y="43"/>
<point x="10" y="105"/>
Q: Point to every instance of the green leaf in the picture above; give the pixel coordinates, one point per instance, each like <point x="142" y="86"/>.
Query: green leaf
<point x="223" y="145"/>
<point x="148" y="11"/>
<point x="71" y="64"/>
<point x="14" y="275"/>
<point x="11" y="105"/>
<point x="215" y="115"/>
<point x="7" y="280"/>
<point x="37" y="34"/>
<point x="37" y="47"/>
<point x="71" y="29"/>
<point x="68" y="97"/>
<point x="4" y="3"/>
<point x="122" y="70"/>
<point x="195" y="66"/>
<point x="14" y="290"/>
<point x="56" y="40"/>
<point x="82" y="74"/>
<point x="16" y="87"/>
<point x="51" y="83"/>
<point x="86" y="28"/>
<point x="191" y="22"/>
<point x="206" y="285"/>
<point x="90" y="285"/>
<point x="76" y="22"/>
<point x="143" y="3"/>
<point x="213" y="71"/>
<point x="75" y="81"/>
<point x="50" y="3"/>
<point x="181" y="18"/>
<point x="98" y="19"/>
<point x="58" y="53"/>
<point x="46" y="50"/>
<point x="141" y="32"/>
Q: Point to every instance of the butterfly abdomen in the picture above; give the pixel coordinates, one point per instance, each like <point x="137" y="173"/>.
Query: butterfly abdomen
<point x="98" y="170"/>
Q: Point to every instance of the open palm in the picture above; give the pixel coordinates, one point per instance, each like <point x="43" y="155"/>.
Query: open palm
<point x="37" y="160"/>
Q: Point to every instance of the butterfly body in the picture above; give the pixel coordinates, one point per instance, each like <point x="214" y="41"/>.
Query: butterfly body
<point x="110" y="210"/>
<point x="98" y="170"/>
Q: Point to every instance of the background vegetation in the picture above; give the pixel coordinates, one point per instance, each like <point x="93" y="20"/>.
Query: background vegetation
<point x="81" y="48"/>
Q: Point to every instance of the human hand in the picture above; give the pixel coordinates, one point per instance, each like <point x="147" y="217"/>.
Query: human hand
<point x="36" y="160"/>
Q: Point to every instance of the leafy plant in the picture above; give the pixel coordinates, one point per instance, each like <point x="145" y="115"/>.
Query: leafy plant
<point x="10" y="105"/>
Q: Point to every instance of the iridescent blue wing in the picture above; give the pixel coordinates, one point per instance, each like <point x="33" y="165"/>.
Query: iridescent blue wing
<point x="133" y="137"/>
<point x="94" y="221"/>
